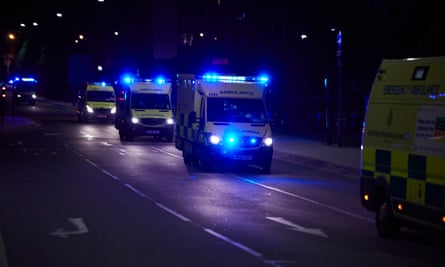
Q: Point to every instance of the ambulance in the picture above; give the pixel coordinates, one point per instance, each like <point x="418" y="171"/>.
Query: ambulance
<point x="402" y="175"/>
<point x="24" y="90"/>
<point x="144" y="108"/>
<point x="96" y="101"/>
<point x="223" y="118"/>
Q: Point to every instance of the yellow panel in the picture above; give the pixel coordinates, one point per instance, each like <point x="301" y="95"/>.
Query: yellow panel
<point x="435" y="170"/>
<point x="368" y="158"/>
<point x="399" y="163"/>
<point x="416" y="191"/>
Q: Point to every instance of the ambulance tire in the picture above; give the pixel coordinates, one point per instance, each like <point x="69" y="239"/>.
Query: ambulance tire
<point x="125" y="135"/>
<point x="205" y="162"/>
<point x="265" y="169"/>
<point x="387" y="225"/>
<point x="187" y="158"/>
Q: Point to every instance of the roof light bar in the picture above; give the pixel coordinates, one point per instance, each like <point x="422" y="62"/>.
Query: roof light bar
<point x="233" y="78"/>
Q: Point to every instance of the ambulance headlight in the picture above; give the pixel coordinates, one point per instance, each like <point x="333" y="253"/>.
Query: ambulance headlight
<point x="214" y="139"/>
<point x="134" y="120"/>
<point x="113" y="110"/>
<point x="268" y="141"/>
<point x="90" y="109"/>
<point x="170" y="121"/>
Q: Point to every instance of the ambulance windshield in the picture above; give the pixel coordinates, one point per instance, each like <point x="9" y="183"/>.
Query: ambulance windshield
<point x="150" y="101"/>
<point x="100" y="96"/>
<point x="236" y="110"/>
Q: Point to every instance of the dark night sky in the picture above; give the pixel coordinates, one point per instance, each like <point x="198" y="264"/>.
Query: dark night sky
<point x="248" y="27"/>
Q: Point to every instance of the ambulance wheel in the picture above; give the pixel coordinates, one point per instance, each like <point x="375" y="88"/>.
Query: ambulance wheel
<point x="125" y="135"/>
<point x="188" y="159"/>
<point x="265" y="168"/>
<point x="387" y="225"/>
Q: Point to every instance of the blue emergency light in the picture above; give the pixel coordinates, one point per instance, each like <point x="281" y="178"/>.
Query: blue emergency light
<point x="214" y="77"/>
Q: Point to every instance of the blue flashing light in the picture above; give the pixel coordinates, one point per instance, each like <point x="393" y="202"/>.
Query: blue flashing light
<point x="214" y="77"/>
<point x="127" y="78"/>
<point x="160" y="80"/>
<point x="26" y="79"/>
<point x="263" y="79"/>
<point x="231" y="140"/>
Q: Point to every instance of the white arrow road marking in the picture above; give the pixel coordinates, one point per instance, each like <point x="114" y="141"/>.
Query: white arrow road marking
<point x="78" y="223"/>
<point x="293" y="226"/>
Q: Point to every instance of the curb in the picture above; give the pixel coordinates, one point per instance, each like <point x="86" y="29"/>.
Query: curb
<point x="318" y="163"/>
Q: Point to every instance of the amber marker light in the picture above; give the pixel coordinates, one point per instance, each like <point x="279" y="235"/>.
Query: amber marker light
<point x="366" y="197"/>
<point x="443" y="219"/>
<point x="400" y="207"/>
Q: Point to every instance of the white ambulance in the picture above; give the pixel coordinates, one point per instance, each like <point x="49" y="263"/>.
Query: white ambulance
<point x="403" y="145"/>
<point x="144" y="108"/>
<point x="223" y="118"/>
<point x="96" y="101"/>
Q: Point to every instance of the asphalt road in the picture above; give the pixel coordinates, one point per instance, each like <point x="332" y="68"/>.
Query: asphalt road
<point x="73" y="194"/>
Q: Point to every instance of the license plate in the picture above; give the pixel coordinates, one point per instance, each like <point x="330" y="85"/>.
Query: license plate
<point x="101" y="116"/>
<point x="152" y="131"/>
<point x="242" y="157"/>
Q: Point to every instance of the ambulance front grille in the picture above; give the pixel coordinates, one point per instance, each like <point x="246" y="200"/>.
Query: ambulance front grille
<point x="152" y="121"/>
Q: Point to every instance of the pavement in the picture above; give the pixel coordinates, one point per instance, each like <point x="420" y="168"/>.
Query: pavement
<point x="304" y="150"/>
<point x="312" y="152"/>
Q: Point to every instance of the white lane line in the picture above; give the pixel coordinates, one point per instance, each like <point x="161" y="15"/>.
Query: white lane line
<point x="309" y="200"/>
<point x="92" y="163"/>
<point x="180" y="216"/>
<point x="234" y="243"/>
<point x="111" y="175"/>
<point x="136" y="190"/>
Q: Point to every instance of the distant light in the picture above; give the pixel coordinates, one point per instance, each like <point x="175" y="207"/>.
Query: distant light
<point x="81" y="36"/>
<point x="100" y="1"/>
<point x="215" y="38"/>
<point x="35" y="24"/>
<point x="100" y="68"/>
<point x="59" y="15"/>
<point x="23" y="25"/>
<point x="76" y="41"/>
<point x="116" y="33"/>
<point x="303" y="36"/>
<point x="201" y="34"/>
<point x="11" y="36"/>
